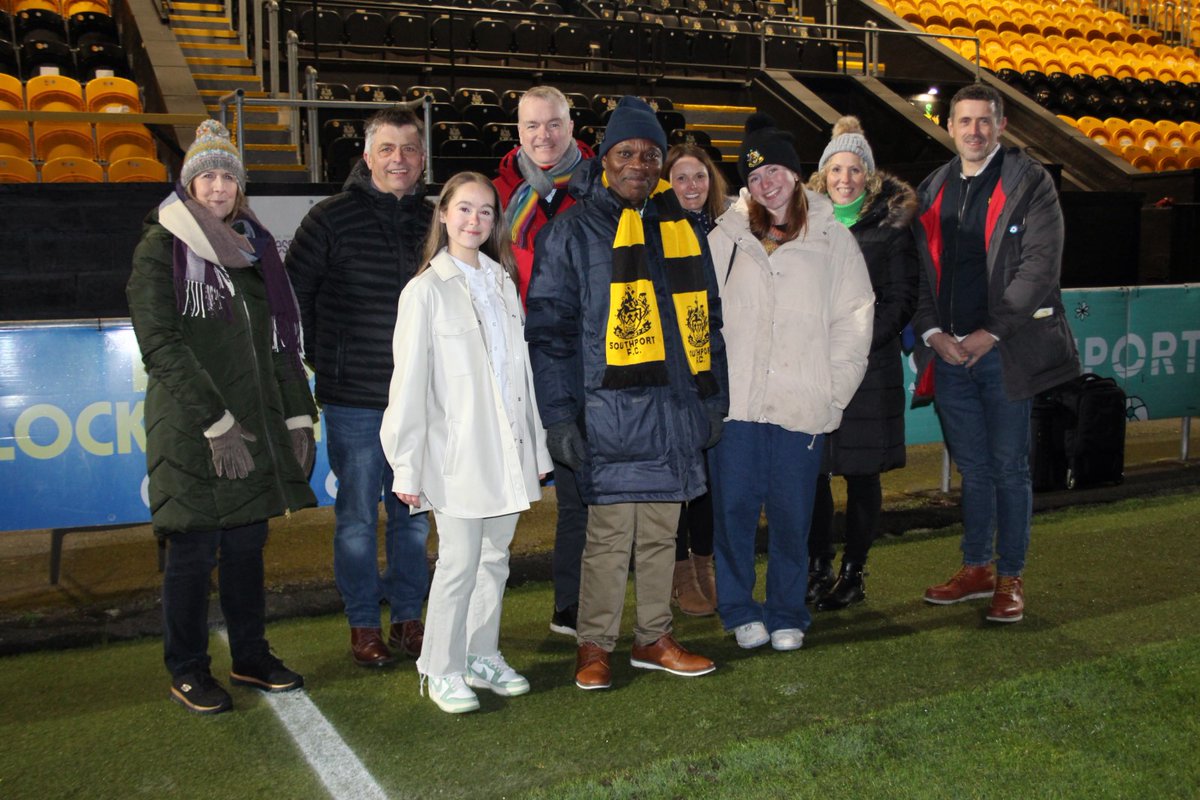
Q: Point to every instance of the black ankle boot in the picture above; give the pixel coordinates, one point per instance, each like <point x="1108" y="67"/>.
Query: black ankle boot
<point x="847" y="590"/>
<point x="820" y="578"/>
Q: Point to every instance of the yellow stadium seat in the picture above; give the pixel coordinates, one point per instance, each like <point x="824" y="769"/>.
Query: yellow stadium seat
<point x="104" y="94"/>
<point x="12" y="98"/>
<point x="1147" y="135"/>
<point x="72" y="170"/>
<point x="1119" y="132"/>
<point x="1067" y="119"/>
<point x="14" y="140"/>
<point x="1138" y="157"/>
<point x="1165" y="158"/>
<point x="1093" y="129"/>
<point x="114" y="142"/>
<point x="63" y="140"/>
<point x="1170" y="134"/>
<point x="81" y="6"/>
<point x="1192" y="131"/>
<point x="1053" y="64"/>
<point x="17" y="170"/>
<point x="1002" y="62"/>
<point x="1189" y="157"/>
<point x="129" y="170"/>
<point x="1120" y="69"/>
<point x="53" y="93"/>
<point x="30" y="5"/>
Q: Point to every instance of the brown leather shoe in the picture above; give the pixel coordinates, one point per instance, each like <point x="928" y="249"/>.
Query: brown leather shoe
<point x="407" y="637"/>
<point x="666" y="654"/>
<point x="968" y="583"/>
<point x="591" y="667"/>
<point x="1008" y="601"/>
<point x="367" y="647"/>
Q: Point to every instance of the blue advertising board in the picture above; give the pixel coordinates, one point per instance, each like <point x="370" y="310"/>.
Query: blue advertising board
<point x="72" y="439"/>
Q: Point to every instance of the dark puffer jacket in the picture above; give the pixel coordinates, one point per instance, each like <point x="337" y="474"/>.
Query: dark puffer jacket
<point x="644" y="442"/>
<point x="352" y="255"/>
<point x="871" y="437"/>
<point x="197" y="369"/>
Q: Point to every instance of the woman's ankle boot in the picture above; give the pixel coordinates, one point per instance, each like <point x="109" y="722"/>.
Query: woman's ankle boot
<point x="685" y="592"/>
<point x="820" y="577"/>
<point x="847" y="590"/>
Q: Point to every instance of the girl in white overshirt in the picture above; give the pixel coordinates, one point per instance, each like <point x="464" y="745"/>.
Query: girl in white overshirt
<point x="463" y="436"/>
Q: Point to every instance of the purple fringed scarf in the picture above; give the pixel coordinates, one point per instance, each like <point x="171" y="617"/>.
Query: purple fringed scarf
<point x="201" y="289"/>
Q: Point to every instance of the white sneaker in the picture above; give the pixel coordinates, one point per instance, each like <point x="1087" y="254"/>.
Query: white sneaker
<point x="751" y="635"/>
<point x="787" y="639"/>
<point x="494" y="673"/>
<point x="452" y="694"/>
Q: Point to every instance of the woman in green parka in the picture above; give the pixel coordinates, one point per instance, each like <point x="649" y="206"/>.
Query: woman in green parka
<point x="229" y="416"/>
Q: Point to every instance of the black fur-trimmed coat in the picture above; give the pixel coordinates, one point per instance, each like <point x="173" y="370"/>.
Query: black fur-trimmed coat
<point x="871" y="437"/>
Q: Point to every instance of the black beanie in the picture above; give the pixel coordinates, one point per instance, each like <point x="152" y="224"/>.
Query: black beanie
<point x="764" y="143"/>
<point x="633" y="118"/>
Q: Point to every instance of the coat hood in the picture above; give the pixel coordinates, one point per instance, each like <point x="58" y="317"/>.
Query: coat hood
<point x="893" y="206"/>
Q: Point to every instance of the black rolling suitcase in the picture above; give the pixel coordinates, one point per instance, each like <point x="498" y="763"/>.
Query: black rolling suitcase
<point x="1077" y="435"/>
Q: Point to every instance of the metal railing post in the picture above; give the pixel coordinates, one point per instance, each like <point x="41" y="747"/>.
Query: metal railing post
<point x="831" y="15"/>
<point x="314" y="136"/>
<point x="273" y="44"/>
<point x="238" y="96"/>
<point x="945" y="470"/>
<point x="871" y="49"/>
<point x="257" y="58"/>
<point x="243" y="15"/>
<point x="428" y="115"/>
<point x="293" y="72"/>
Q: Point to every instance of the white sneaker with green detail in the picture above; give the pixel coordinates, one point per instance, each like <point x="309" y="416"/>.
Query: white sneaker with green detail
<point x="493" y="672"/>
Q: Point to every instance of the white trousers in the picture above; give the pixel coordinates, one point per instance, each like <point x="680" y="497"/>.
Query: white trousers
<point x="467" y="592"/>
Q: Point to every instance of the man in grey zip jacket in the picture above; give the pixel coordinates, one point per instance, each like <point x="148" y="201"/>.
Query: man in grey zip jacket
<point x="993" y="334"/>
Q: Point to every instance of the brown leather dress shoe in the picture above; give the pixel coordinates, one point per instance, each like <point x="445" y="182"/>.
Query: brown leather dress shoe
<point x="666" y="654"/>
<point x="1008" y="601"/>
<point x="407" y="637"/>
<point x="591" y="667"/>
<point x="367" y="647"/>
<point x="968" y="583"/>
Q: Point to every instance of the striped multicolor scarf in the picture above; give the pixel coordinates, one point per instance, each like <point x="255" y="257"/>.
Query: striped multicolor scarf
<point x="634" y="348"/>
<point x="522" y="206"/>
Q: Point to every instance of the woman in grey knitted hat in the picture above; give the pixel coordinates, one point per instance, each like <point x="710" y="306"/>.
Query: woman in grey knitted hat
<point x="877" y="208"/>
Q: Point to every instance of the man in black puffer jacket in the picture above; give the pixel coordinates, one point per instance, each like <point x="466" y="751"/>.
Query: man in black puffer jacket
<point x="352" y="255"/>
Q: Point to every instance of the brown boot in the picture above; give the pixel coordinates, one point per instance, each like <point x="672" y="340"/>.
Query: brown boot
<point x="706" y="577"/>
<point x="685" y="592"/>
<point x="368" y="649"/>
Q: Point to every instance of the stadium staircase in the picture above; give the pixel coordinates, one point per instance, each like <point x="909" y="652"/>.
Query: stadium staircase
<point x="219" y="66"/>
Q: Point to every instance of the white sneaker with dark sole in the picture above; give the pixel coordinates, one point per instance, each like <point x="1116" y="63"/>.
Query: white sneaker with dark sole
<point x="787" y="639"/>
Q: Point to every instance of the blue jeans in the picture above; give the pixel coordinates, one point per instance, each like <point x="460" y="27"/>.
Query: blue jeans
<point x="356" y="458"/>
<point x="988" y="437"/>
<point x="755" y="465"/>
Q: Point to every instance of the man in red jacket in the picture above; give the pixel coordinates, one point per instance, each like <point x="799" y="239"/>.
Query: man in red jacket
<point x="532" y="183"/>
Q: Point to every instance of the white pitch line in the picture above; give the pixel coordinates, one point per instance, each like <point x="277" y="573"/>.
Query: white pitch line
<point x="339" y="769"/>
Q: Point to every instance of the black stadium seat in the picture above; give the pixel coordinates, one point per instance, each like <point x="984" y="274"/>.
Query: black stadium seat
<point x="408" y="30"/>
<point x="37" y="54"/>
<point x="39" y="24"/>
<point x="365" y="28"/>
<point x="378" y="93"/>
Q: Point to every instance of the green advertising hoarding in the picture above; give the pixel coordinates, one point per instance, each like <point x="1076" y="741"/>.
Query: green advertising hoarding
<point x="1146" y="338"/>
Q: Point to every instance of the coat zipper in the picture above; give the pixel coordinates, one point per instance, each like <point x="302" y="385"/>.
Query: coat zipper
<point x="262" y="408"/>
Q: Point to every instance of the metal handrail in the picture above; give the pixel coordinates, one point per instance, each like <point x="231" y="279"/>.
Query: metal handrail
<point x="237" y="98"/>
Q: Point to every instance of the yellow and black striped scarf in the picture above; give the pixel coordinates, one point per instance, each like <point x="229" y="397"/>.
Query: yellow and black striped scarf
<point x="634" y="349"/>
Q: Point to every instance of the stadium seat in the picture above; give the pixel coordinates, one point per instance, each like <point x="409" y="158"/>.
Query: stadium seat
<point x="72" y="170"/>
<point x="1119" y="133"/>
<point x="35" y="24"/>
<point x="12" y="94"/>
<point x="72" y="7"/>
<point x="137" y="170"/>
<point x="510" y="99"/>
<point x="531" y="39"/>
<point x="17" y="170"/>
<point x="53" y="93"/>
<point x="87" y="27"/>
<point x="365" y="29"/>
<point x="115" y="142"/>
<point x="42" y="57"/>
<point x="470" y="96"/>
<point x="409" y="31"/>
<point x="445" y="131"/>
<point x="14" y="140"/>
<point x="493" y="40"/>
<point x="341" y="156"/>
<point x="102" y="60"/>
<point x="63" y="140"/>
<point x="323" y="29"/>
<point x="104" y="94"/>
<point x="1138" y="157"/>
<point x="501" y="137"/>
<point x="378" y="93"/>
<point x="438" y="93"/>
<point x="451" y="34"/>
<point x="1165" y="158"/>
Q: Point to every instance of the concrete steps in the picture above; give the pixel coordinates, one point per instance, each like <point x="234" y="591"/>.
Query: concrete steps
<point x="219" y="66"/>
<point x="723" y="124"/>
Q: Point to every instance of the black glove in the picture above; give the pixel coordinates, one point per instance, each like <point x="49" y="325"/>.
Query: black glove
<point x="566" y="445"/>
<point x="304" y="445"/>
<point x="231" y="458"/>
<point x="716" y="424"/>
